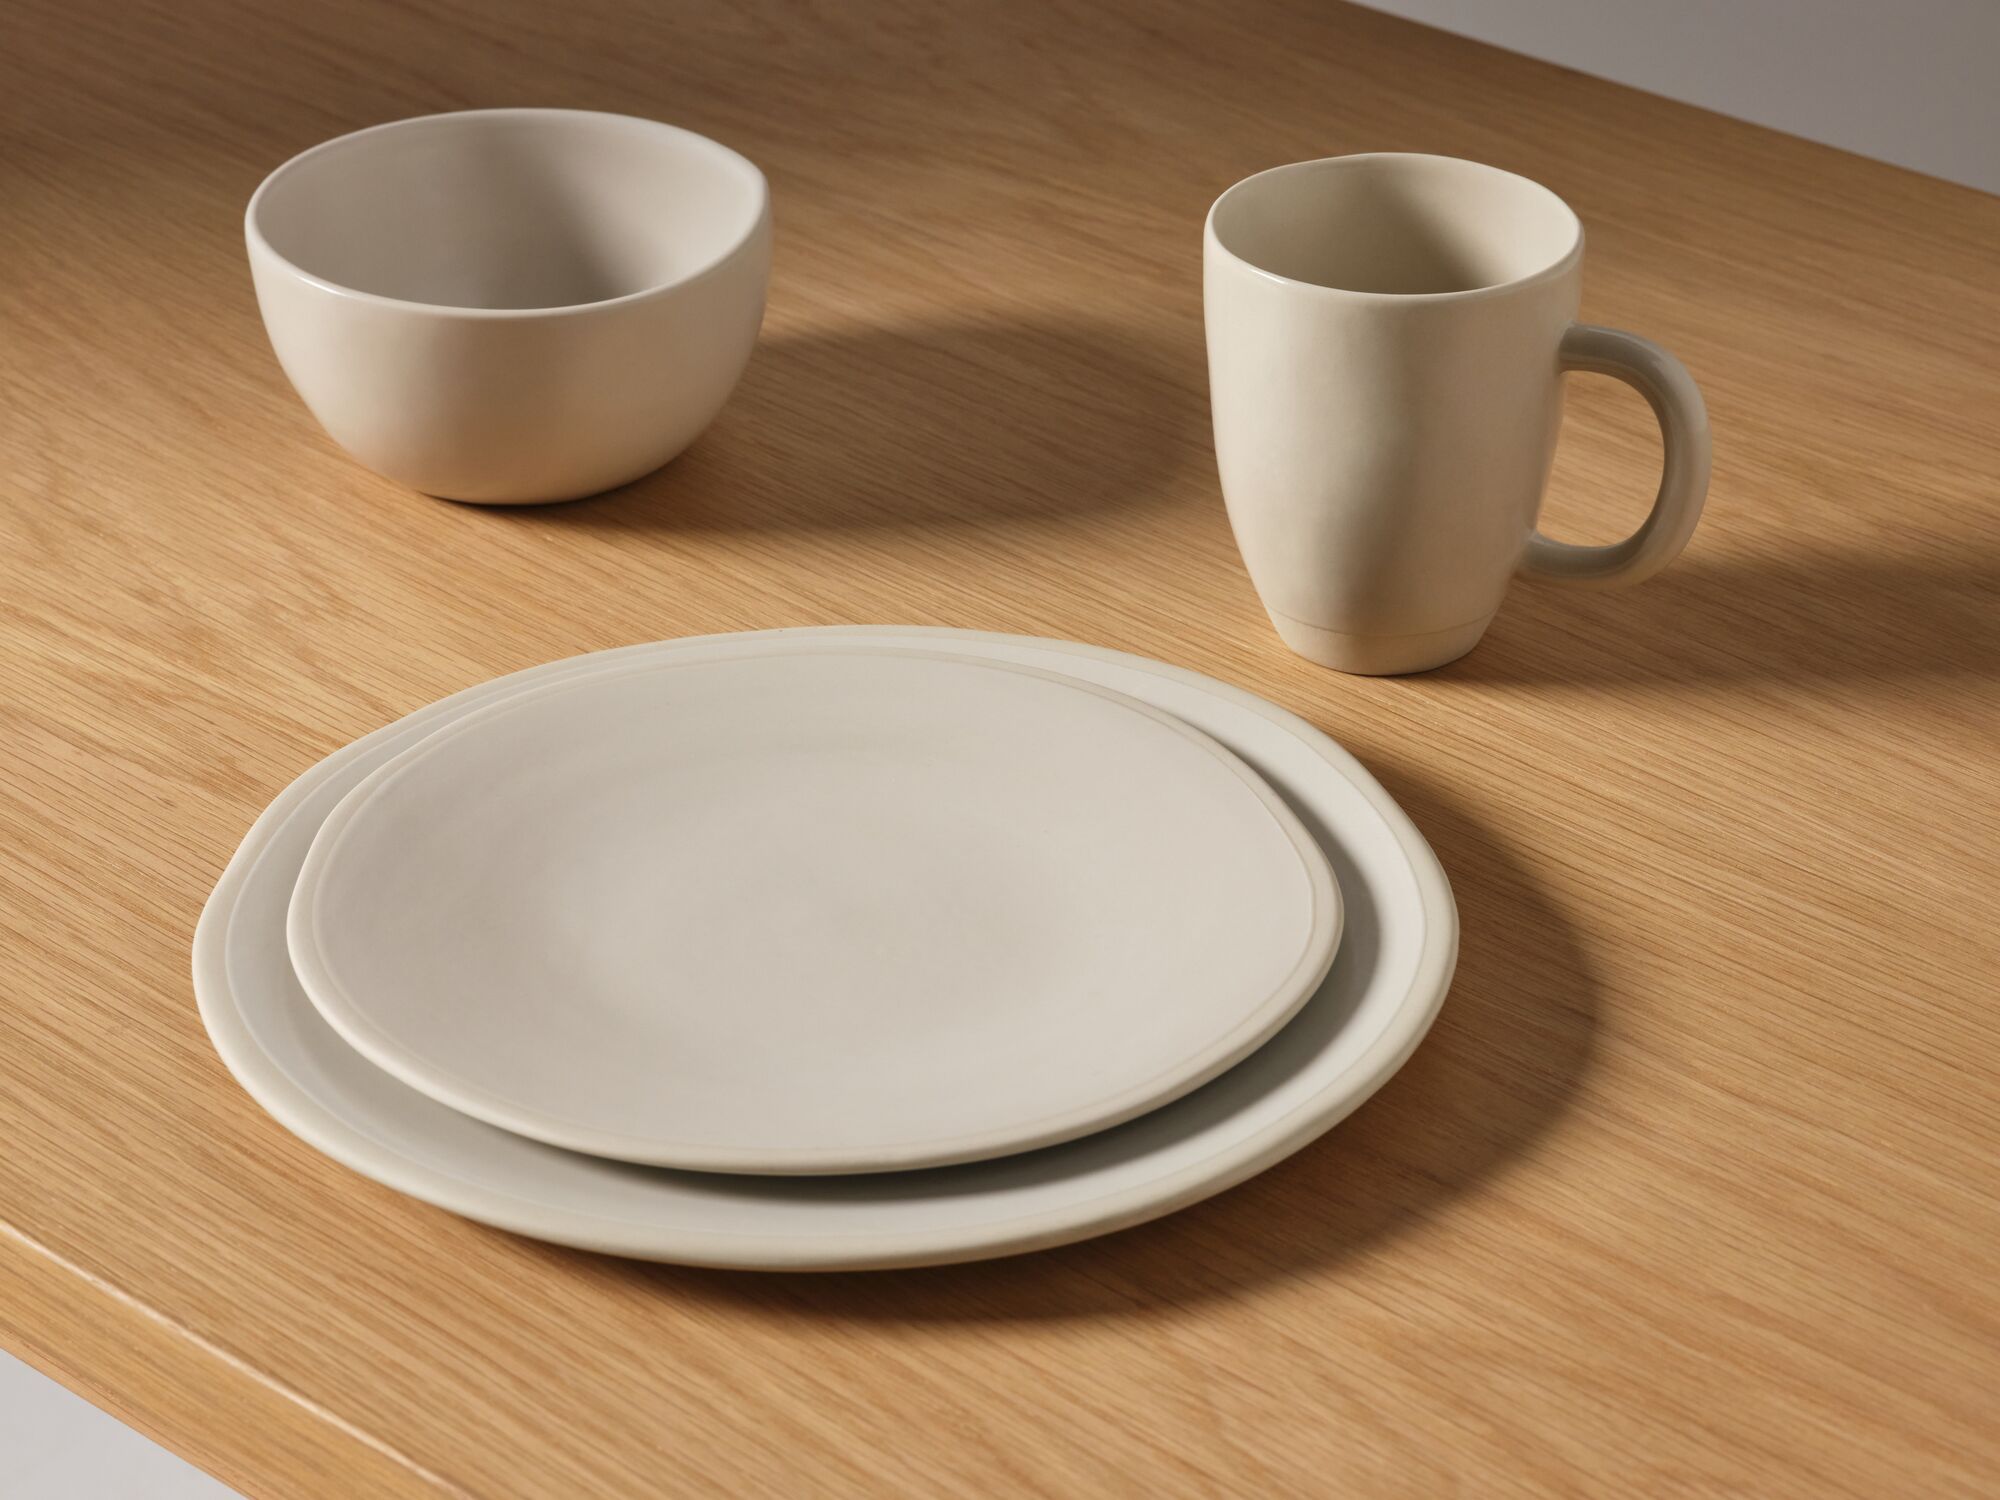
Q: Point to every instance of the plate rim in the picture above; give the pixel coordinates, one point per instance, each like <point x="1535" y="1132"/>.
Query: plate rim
<point x="1256" y="1025"/>
<point x="334" y="1136"/>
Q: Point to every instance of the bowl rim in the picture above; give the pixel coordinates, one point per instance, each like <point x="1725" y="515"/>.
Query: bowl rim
<point x="758" y="222"/>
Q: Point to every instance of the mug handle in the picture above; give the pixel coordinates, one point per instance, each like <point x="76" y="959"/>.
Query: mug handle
<point x="1670" y="390"/>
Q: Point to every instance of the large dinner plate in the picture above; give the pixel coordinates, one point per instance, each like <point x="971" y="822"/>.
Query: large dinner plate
<point x="1388" y="979"/>
<point x="837" y="908"/>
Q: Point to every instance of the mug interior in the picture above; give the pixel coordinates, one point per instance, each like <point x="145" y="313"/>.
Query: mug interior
<point x="1398" y="224"/>
<point x="510" y="209"/>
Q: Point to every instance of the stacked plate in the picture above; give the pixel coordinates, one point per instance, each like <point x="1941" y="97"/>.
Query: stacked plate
<point x="821" y="949"/>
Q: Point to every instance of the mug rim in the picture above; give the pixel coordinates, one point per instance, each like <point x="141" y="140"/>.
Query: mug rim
<point x="1552" y="271"/>
<point x="260" y="245"/>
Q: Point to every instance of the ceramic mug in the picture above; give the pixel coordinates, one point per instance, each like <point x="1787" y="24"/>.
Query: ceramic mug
<point x="513" y="305"/>
<point x="1387" y="336"/>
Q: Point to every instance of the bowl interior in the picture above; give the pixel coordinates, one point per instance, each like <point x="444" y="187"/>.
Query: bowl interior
<point x="510" y="208"/>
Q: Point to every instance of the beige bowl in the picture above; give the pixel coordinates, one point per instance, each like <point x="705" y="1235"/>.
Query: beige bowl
<point x="513" y="305"/>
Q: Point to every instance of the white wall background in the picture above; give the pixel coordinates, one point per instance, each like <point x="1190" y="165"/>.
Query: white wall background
<point x="56" y="1446"/>
<point x="1914" y="82"/>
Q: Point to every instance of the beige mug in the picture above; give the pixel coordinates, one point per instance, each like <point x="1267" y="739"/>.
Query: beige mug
<point x="1387" y="336"/>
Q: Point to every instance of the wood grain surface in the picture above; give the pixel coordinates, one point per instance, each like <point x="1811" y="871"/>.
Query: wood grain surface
<point x="1692" y="1190"/>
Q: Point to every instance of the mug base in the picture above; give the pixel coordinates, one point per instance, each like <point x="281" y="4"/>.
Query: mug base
<point x="1379" y="655"/>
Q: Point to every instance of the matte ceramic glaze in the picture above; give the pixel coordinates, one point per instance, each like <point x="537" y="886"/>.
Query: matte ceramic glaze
<point x="1387" y="981"/>
<point x="1386" y="340"/>
<point x="836" y="909"/>
<point x="513" y="305"/>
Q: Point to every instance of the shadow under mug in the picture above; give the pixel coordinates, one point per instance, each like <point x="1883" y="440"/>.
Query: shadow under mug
<point x="1387" y="336"/>
<point x="513" y="305"/>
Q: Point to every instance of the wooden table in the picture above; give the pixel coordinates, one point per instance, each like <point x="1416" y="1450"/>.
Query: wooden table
<point x="1692" y="1189"/>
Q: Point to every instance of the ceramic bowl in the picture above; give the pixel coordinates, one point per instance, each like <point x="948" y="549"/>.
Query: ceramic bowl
<point x="513" y="305"/>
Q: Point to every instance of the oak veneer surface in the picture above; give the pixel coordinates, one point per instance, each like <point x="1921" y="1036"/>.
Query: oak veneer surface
<point x="1692" y="1190"/>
